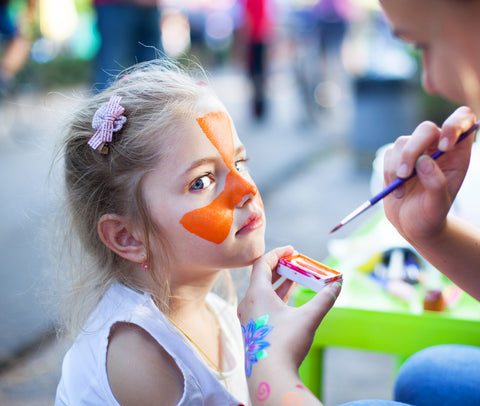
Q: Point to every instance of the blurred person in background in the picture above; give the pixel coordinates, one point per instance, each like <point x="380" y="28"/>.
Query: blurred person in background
<point x="129" y="33"/>
<point x="317" y="30"/>
<point x="332" y="22"/>
<point x="258" y="33"/>
<point x="16" y="47"/>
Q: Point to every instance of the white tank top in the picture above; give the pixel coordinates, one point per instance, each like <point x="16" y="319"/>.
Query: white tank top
<point x="84" y="378"/>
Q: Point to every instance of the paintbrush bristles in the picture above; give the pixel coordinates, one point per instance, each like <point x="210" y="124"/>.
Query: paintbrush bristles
<point x="359" y="210"/>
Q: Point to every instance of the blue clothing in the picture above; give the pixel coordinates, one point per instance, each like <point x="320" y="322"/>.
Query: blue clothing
<point x="129" y="33"/>
<point x="374" y="402"/>
<point x="444" y="375"/>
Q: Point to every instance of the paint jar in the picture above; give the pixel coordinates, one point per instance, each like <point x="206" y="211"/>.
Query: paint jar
<point x="434" y="301"/>
<point x="307" y="272"/>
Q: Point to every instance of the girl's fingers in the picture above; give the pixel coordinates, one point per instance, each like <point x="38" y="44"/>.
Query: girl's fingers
<point x="285" y="290"/>
<point x="263" y="267"/>
<point x="321" y="303"/>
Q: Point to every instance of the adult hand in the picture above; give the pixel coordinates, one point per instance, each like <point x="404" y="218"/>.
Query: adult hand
<point x="418" y="208"/>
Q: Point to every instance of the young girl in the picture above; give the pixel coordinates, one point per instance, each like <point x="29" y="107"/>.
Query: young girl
<point x="161" y="201"/>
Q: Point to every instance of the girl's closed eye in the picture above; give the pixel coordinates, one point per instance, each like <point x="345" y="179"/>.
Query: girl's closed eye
<point x="202" y="182"/>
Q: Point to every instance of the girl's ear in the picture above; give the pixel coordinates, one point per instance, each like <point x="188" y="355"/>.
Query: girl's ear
<point x="121" y="237"/>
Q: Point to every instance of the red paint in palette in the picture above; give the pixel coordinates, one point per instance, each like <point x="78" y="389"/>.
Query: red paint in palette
<point x="307" y="272"/>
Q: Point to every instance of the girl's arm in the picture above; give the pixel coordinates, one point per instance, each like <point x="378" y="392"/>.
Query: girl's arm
<point x="277" y="336"/>
<point x="419" y="209"/>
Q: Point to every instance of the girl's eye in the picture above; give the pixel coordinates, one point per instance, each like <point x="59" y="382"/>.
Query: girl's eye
<point x="201" y="183"/>
<point x="241" y="165"/>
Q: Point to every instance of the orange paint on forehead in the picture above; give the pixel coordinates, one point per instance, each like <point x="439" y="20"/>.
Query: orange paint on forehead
<point x="213" y="222"/>
<point x="218" y="130"/>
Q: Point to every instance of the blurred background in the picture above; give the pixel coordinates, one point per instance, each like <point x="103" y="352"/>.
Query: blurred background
<point x="314" y="87"/>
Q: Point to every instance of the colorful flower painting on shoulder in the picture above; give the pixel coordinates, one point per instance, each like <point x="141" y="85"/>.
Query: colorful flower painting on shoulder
<point x="253" y="336"/>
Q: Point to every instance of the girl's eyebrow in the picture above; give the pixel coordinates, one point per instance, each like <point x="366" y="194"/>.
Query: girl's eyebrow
<point x="208" y="160"/>
<point x="240" y="149"/>
<point x="201" y="162"/>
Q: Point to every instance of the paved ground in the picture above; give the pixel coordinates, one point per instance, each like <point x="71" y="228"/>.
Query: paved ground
<point x="309" y="181"/>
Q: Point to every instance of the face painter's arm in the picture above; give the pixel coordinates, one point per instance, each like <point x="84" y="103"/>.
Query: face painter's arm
<point x="278" y="336"/>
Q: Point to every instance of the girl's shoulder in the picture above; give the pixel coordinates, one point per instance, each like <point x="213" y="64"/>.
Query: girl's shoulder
<point x="136" y="360"/>
<point x="114" y="355"/>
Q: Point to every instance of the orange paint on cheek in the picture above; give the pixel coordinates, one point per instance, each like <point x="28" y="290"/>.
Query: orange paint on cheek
<point x="213" y="222"/>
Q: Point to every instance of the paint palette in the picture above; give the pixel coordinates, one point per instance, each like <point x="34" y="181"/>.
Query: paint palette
<point x="307" y="272"/>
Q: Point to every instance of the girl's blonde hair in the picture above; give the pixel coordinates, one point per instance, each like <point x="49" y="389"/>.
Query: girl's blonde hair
<point x="158" y="98"/>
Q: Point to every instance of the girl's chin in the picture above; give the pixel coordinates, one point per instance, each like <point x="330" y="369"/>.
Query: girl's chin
<point x="256" y="253"/>
<point x="248" y="256"/>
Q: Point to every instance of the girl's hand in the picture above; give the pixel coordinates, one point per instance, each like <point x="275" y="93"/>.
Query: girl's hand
<point x="293" y="327"/>
<point x="418" y="208"/>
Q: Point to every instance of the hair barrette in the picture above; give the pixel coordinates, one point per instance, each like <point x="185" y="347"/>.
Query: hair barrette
<point x="107" y="120"/>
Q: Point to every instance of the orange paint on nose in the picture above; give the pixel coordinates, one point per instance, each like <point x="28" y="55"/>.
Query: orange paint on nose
<point x="213" y="222"/>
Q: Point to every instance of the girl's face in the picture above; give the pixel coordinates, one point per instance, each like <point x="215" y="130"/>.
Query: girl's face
<point x="204" y="200"/>
<point x="443" y="31"/>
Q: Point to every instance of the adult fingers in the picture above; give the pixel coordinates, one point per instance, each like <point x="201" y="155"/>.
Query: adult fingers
<point x="457" y="123"/>
<point x="432" y="179"/>
<point x="391" y="159"/>
<point x="424" y="137"/>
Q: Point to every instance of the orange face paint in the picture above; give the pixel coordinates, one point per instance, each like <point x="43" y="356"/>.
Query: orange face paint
<point x="213" y="222"/>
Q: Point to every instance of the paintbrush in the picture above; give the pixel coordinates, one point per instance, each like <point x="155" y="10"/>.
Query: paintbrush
<point x="395" y="184"/>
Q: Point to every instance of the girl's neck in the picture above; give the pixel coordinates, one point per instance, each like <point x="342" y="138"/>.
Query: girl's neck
<point x="185" y="297"/>
<point x="190" y="313"/>
<point x="199" y="324"/>
<point x="188" y="301"/>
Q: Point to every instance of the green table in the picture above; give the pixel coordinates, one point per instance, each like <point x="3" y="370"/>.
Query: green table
<point x="367" y="317"/>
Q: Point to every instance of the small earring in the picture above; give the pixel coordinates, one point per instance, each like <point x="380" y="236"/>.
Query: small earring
<point x="145" y="266"/>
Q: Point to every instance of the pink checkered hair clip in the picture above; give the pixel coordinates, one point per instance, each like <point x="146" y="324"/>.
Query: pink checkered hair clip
<point x="108" y="119"/>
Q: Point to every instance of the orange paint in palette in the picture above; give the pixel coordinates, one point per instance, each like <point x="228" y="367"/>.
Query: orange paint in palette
<point x="307" y="272"/>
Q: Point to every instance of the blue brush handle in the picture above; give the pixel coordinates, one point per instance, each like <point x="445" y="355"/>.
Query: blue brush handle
<point x="400" y="181"/>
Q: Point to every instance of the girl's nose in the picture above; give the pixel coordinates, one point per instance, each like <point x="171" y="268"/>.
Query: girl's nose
<point x="245" y="199"/>
<point x="244" y="188"/>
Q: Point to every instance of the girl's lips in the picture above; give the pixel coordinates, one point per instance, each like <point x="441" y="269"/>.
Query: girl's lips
<point x="253" y="221"/>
